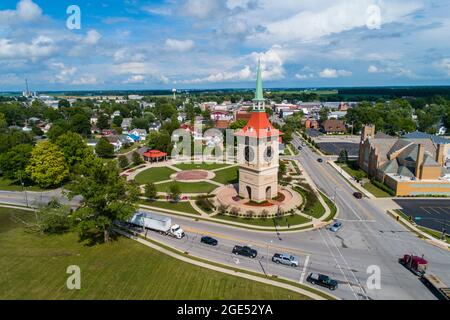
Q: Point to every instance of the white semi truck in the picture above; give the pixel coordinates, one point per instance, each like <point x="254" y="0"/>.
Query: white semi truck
<point x="157" y="223"/>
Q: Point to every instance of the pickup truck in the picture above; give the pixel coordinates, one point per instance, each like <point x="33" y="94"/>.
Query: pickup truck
<point x="322" y="280"/>
<point x="245" y="251"/>
<point x="285" y="259"/>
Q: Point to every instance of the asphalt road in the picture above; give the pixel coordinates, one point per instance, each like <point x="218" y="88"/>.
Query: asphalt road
<point x="434" y="213"/>
<point x="369" y="238"/>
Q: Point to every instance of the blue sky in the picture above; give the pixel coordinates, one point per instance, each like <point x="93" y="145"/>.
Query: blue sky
<point x="164" y="44"/>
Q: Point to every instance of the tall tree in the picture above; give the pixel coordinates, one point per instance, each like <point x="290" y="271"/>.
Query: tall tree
<point x="74" y="148"/>
<point x="14" y="162"/>
<point x="106" y="198"/>
<point x="103" y="122"/>
<point x="47" y="167"/>
<point x="150" y="191"/>
<point x="104" y="149"/>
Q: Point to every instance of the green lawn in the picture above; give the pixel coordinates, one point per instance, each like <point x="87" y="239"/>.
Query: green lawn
<point x="377" y="192"/>
<point x="34" y="267"/>
<point x="180" y="206"/>
<point x="352" y="169"/>
<point x="195" y="187"/>
<point x="10" y="185"/>
<point x="291" y="220"/>
<point x="227" y="176"/>
<point x="154" y="175"/>
<point x="203" y="166"/>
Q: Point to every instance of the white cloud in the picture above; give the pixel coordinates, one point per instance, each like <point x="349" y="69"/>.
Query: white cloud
<point x="300" y="76"/>
<point x="333" y="73"/>
<point x="309" y="20"/>
<point x="26" y="11"/>
<point x="444" y="65"/>
<point x="92" y="37"/>
<point x="64" y="73"/>
<point x="39" y="47"/>
<point x="85" y="80"/>
<point x="202" y="9"/>
<point x="272" y="62"/>
<point x="138" y="78"/>
<point x="179" y="45"/>
<point x="160" y="11"/>
<point x="244" y="74"/>
<point x="374" y="69"/>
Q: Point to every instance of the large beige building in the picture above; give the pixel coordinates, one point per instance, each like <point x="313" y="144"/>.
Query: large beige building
<point x="258" y="153"/>
<point x="411" y="166"/>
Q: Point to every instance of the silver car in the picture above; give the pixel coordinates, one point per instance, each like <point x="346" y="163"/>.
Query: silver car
<point x="286" y="259"/>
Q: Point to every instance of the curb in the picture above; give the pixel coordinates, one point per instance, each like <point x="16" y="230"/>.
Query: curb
<point x="304" y="292"/>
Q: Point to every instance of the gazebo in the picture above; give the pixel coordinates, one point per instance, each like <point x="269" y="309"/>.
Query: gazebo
<point x="155" y="156"/>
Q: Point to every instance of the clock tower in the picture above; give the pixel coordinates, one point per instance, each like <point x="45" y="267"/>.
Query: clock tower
<point x="258" y="152"/>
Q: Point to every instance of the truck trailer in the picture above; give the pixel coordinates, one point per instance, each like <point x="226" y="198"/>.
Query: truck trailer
<point x="154" y="222"/>
<point x="436" y="286"/>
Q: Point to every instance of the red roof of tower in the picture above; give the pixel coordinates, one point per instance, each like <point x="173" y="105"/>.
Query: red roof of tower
<point x="259" y="126"/>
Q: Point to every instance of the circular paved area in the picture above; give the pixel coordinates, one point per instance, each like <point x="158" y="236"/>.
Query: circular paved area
<point x="193" y="176"/>
<point x="228" y="196"/>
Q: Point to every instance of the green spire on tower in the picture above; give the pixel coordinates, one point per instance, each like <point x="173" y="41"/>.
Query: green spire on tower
<point x="259" y="96"/>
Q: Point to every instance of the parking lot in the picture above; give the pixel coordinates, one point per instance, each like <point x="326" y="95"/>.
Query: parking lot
<point x="335" y="148"/>
<point x="434" y="213"/>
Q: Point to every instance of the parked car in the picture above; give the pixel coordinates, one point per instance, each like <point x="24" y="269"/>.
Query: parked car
<point x="286" y="259"/>
<point x="320" y="160"/>
<point x="209" y="241"/>
<point x="358" y="195"/>
<point x="300" y="148"/>
<point x="322" y="280"/>
<point x="336" y="226"/>
<point x="245" y="251"/>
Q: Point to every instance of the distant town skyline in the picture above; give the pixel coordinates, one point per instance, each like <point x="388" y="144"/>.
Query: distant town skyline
<point x="215" y="44"/>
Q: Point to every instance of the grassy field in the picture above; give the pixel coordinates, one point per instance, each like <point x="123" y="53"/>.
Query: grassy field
<point x="154" y="175"/>
<point x="10" y="185"/>
<point x="282" y="222"/>
<point x="180" y="206"/>
<point x="34" y="267"/>
<point x="195" y="187"/>
<point x="203" y="166"/>
<point x="377" y="192"/>
<point x="227" y="176"/>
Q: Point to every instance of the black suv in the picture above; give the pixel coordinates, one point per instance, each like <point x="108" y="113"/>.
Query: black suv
<point x="209" y="241"/>
<point x="322" y="280"/>
<point x="245" y="251"/>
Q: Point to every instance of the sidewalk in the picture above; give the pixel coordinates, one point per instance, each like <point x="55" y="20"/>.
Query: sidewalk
<point x="221" y="269"/>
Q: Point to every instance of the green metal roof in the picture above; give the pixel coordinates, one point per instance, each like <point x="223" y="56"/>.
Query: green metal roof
<point x="259" y="96"/>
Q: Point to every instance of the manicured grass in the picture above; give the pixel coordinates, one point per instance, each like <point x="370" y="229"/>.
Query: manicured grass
<point x="331" y="205"/>
<point x="269" y="222"/>
<point x="179" y="206"/>
<point x="352" y="169"/>
<point x="10" y="185"/>
<point x="377" y="192"/>
<point x="34" y="266"/>
<point x="203" y="166"/>
<point x="312" y="206"/>
<point x="154" y="175"/>
<point x="227" y="176"/>
<point x="195" y="187"/>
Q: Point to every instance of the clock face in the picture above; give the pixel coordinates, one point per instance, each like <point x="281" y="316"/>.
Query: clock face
<point x="249" y="154"/>
<point x="268" y="154"/>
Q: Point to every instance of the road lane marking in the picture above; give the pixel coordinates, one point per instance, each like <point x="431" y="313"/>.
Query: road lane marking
<point x="259" y="244"/>
<point x="338" y="265"/>
<point x="302" y="277"/>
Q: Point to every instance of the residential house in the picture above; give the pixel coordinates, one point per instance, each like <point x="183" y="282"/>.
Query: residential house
<point x="311" y="124"/>
<point x="126" y="124"/>
<point x="154" y="126"/>
<point x="140" y="133"/>
<point x="333" y="126"/>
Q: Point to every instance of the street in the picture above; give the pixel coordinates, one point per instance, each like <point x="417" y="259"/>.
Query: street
<point x="368" y="238"/>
